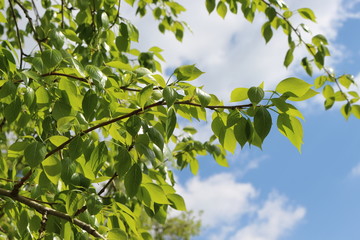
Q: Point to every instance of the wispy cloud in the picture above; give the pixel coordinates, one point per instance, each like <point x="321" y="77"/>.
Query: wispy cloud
<point x="231" y="209"/>
<point x="355" y="171"/>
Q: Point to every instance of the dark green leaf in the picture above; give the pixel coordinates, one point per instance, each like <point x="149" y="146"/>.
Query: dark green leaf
<point x="133" y="180"/>
<point x="256" y="94"/>
<point x="262" y="122"/>
<point x="35" y="153"/>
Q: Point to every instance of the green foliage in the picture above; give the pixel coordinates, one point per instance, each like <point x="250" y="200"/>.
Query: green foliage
<point x="89" y="125"/>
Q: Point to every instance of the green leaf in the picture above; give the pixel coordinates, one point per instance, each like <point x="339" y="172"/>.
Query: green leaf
<point x="204" y="97"/>
<point x="289" y="57"/>
<point x="239" y="94"/>
<point x="156" y="137"/>
<point x="123" y="161"/>
<point x="96" y="74"/>
<point x="75" y="147"/>
<point x="169" y="95"/>
<point x="309" y="94"/>
<point x="355" y="109"/>
<point x="187" y="73"/>
<point x="266" y="31"/>
<point x="210" y="5"/>
<point x="57" y="38"/>
<point x="177" y="202"/>
<point x="221" y="9"/>
<point x="256" y="94"/>
<point x="133" y="180"/>
<point x="117" y="234"/>
<point x="58" y="140"/>
<point x="243" y="131"/>
<point x="89" y="104"/>
<point x="51" y="58"/>
<point x="294" y="86"/>
<point x="133" y="125"/>
<point x="307" y="66"/>
<point x="262" y="122"/>
<point x="156" y="193"/>
<point x="170" y="123"/>
<point x="307" y="13"/>
<point x="12" y="110"/>
<point x="35" y="153"/>
<point x="94" y="205"/>
<point x="145" y="95"/>
<point x="98" y="157"/>
<point x="119" y="65"/>
<point x="291" y="128"/>
<point x="346" y="110"/>
<point x="52" y="167"/>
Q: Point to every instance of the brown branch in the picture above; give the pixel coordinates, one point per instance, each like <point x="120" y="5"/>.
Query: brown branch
<point x="26" y="12"/>
<point x="16" y="188"/>
<point x="107" y="184"/>
<point x="62" y="14"/>
<point x="43" y="225"/>
<point x="42" y="209"/>
<point x="17" y="33"/>
<point x="117" y="16"/>
<point x="64" y="75"/>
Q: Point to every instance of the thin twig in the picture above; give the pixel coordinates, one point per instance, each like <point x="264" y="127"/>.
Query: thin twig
<point x="42" y="209"/>
<point x="117" y="16"/>
<point x="62" y="14"/>
<point x="17" y="33"/>
<point x="107" y="184"/>
<point x="36" y="13"/>
<point x="26" y="12"/>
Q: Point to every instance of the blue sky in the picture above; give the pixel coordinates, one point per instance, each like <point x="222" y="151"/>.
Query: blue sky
<point x="276" y="193"/>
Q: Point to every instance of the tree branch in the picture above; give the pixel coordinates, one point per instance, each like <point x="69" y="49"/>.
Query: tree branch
<point x="17" y="33"/>
<point x="26" y="12"/>
<point x="42" y="209"/>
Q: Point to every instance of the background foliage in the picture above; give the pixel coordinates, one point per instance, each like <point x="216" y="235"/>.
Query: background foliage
<point x="89" y="123"/>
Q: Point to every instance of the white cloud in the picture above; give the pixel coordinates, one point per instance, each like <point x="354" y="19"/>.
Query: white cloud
<point x="231" y="210"/>
<point x="355" y="171"/>
<point x="273" y="220"/>
<point x="220" y="196"/>
<point x="232" y="51"/>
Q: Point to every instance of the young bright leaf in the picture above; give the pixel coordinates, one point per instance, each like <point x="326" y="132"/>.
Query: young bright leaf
<point x="35" y="153"/>
<point x="52" y="167"/>
<point x="291" y="128"/>
<point x="295" y="86"/>
<point x="145" y="95"/>
<point x="239" y="94"/>
<point x="307" y="13"/>
<point x="289" y="57"/>
<point x="133" y="180"/>
<point x="262" y="122"/>
<point x="177" y="202"/>
<point x="156" y="193"/>
<point x="187" y="73"/>
<point x="221" y="9"/>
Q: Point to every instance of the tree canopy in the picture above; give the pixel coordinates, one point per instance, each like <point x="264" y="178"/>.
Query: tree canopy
<point x="89" y="124"/>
